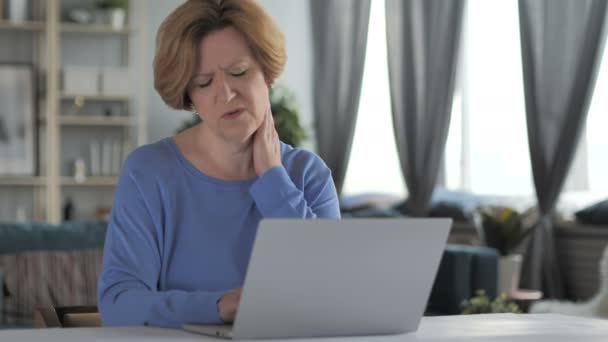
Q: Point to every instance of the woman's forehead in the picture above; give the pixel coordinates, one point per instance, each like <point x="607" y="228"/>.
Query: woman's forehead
<point x="222" y="49"/>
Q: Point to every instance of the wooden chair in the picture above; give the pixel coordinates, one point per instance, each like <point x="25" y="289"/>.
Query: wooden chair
<point x="67" y="317"/>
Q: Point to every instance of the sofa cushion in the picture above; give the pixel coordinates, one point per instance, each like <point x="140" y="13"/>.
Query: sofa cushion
<point x="15" y="237"/>
<point x="594" y="214"/>
<point x="463" y="270"/>
<point x="457" y="205"/>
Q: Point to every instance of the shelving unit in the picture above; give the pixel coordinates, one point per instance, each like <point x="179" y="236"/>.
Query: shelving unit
<point x="90" y="182"/>
<point x="62" y="133"/>
<point x="101" y="98"/>
<point x="103" y="29"/>
<point x="94" y="120"/>
<point x="23" y="26"/>
<point x="22" y="181"/>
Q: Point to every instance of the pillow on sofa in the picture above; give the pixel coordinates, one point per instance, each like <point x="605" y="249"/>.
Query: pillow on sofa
<point x="457" y="205"/>
<point x="594" y="214"/>
<point x="372" y="212"/>
<point x="367" y="201"/>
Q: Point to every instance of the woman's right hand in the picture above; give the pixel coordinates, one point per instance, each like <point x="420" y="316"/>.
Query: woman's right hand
<point x="228" y="305"/>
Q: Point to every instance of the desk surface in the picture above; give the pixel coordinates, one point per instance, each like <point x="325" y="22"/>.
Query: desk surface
<point x="497" y="327"/>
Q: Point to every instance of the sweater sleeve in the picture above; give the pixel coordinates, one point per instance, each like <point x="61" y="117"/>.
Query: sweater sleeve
<point x="128" y="284"/>
<point x="276" y="195"/>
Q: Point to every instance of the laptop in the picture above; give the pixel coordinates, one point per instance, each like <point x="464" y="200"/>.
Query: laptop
<point x="323" y="278"/>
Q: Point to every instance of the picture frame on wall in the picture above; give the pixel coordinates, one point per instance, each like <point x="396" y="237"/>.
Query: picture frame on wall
<point x="17" y="120"/>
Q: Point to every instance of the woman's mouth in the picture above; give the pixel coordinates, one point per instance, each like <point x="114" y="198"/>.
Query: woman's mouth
<point x="233" y="114"/>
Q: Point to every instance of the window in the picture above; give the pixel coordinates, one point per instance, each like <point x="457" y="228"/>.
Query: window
<point x="374" y="162"/>
<point x="487" y="148"/>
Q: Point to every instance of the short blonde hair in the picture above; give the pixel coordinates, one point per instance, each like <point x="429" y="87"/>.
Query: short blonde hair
<point x="180" y="33"/>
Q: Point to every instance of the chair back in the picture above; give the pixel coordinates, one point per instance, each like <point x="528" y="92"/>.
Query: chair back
<point x="67" y="317"/>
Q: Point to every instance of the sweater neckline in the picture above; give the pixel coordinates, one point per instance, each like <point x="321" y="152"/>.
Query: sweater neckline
<point x="201" y="175"/>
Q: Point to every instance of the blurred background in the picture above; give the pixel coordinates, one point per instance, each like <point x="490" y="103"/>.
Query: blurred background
<point x="419" y="108"/>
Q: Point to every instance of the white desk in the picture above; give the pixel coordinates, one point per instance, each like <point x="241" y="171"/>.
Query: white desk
<point x="498" y="327"/>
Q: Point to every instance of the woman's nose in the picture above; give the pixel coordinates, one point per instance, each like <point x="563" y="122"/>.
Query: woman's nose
<point x="225" y="92"/>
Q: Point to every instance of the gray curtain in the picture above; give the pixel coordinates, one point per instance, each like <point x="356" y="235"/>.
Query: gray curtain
<point x="339" y="44"/>
<point x="561" y="42"/>
<point x="423" y="38"/>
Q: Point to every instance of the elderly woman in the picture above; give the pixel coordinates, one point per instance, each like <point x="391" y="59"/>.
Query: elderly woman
<point x="186" y="208"/>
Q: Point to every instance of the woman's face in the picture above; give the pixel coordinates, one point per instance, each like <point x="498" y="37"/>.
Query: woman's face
<point x="229" y="90"/>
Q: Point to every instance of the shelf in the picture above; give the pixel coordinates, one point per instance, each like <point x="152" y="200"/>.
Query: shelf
<point x="21" y="181"/>
<point x="83" y="120"/>
<point x="21" y="26"/>
<point x="100" y="98"/>
<point x="93" y="28"/>
<point x="90" y="181"/>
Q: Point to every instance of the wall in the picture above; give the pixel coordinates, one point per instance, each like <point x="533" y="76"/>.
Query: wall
<point x="292" y="18"/>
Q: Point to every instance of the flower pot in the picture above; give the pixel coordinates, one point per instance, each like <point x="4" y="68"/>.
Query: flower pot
<point x="117" y="18"/>
<point x="509" y="269"/>
<point x="17" y="10"/>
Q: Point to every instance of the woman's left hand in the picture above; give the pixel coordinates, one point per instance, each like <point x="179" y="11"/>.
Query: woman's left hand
<point x="266" y="146"/>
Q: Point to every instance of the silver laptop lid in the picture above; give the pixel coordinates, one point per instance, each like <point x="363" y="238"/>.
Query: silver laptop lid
<point x="310" y="278"/>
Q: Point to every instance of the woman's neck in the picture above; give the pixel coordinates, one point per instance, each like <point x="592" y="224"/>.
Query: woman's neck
<point x="217" y="157"/>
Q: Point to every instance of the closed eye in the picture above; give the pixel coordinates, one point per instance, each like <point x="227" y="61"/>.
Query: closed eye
<point x="203" y="85"/>
<point x="242" y="73"/>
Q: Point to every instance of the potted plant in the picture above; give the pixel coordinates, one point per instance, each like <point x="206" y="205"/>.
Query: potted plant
<point x="504" y="229"/>
<point x="481" y="304"/>
<point x="285" y="115"/>
<point x="115" y="12"/>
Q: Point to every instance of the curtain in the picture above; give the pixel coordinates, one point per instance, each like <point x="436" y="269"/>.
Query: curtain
<point x="339" y="44"/>
<point x="423" y="38"/>
<point x="561" y="43"/>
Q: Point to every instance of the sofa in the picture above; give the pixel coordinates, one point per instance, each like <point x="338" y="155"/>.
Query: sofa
<point x="463" y="271"/>
<point x="47" y="265"/>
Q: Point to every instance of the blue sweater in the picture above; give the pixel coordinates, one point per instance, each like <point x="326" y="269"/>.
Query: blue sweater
<point x="178" y="239"/>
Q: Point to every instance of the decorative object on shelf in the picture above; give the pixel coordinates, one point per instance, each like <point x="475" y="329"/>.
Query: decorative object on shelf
<point x="94" y="158"/>
<point x="68" y="210"/>
<point x="116" y="157"/>
<point x="80" y="171"/>
<point x="80" y="80"/>
<point x="481" y="304"/>
<point x="80" y="16"/>
<point x="115" y="12"/>
<point x="106" y="157"/>
<point x="284" y="112"/>
<point x="17" y="10"/>
<point x="17" y="120"/>
<point x="103" y="213"/>
<point x="76" y="106"/>
<point x="21" y="214"/>
<point x="115" y="81"/>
